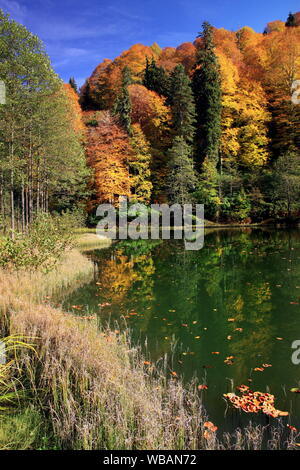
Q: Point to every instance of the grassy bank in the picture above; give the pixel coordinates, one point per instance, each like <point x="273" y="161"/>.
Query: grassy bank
<point x="91" y="389"/>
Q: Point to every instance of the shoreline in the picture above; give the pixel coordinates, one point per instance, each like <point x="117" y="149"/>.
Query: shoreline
<point x="90" y="388"/>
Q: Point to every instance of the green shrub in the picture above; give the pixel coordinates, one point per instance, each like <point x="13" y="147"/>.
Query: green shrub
<point x="48" y="237"/>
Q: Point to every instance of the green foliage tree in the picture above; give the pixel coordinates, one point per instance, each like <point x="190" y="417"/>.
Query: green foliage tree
<point x="287" y="180"/>
<point x="73" y="84"/>
<point x="139" y="166"/>
<point x="41" y="151"/>
<point x="181" y="178"/>
<point x="182" y="104"/>
<point x="122" y="106"/>
<point x="155" y="78"/>
<point x="207" y="91"/>
<point x="207" y="191"/>
<point x="291" y="20"/>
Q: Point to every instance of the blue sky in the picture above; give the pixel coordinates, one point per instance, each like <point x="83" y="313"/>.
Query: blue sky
<point x="80" y="35"/>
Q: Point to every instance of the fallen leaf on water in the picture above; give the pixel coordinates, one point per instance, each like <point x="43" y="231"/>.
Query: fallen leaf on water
<point x="254" y="402"/>
<point x="215" y="352"/>
<point x="174" y="373"/>
<point x="202" y="387"/>
<point x="258" y="369"/>
<point x="229" y="337"/>
<point x="147" y="363"/>
<point x="239" y="329"/>
<point x="292" y="428"/>
<point x="229" y="360"/>
<point x="294" y="303"/>
<point x="243" y="388"/>
<point x="279" y="339"/>
<point x="231" y="319"/>
<point x="197" y="337"/>
<point x="209" y="425"/>
<point x="267" y="365"/>
<point x="194" y="322"/>
<point x="295" y="390"/>
<point x="184" y="324"/>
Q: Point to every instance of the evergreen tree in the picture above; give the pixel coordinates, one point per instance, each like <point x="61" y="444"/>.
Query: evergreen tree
<point x="155" y="78"/>
<point x="122" y="107"/>
<point x="207" y="91"/>
<point x="73" y="84"/>
<point x="85" y="99"/>
<point x="291" y="21"/>
<point x="126" y="76"/>
<point x="182" y="104"/>
<point x="181" y="177"/>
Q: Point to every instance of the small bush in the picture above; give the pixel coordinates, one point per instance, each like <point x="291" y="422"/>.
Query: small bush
<point x="47" y="239"/>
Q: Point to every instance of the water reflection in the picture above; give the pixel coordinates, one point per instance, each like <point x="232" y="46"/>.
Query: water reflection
<point x="236" y="300"/>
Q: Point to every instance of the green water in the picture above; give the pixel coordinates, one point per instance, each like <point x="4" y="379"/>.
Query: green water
<point x="178" y="302"/>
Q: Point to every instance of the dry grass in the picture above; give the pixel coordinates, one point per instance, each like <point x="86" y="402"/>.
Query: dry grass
<point x="34" y="287"/>
<point x="90" y="241"/>
<point x="92" y="387"/>
<point x="97" y="391"/>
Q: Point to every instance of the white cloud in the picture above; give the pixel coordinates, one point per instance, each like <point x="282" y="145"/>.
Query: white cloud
<point x="74" y="52"/>
<point x="68" y="30"/>
<point x="15" y="9"/>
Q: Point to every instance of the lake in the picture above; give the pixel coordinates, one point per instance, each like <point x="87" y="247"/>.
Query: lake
<point x="236" y="300"/>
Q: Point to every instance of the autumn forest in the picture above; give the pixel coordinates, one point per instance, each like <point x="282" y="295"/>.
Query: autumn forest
<point x="211" y="121"/>
<point x="146" y="344"/>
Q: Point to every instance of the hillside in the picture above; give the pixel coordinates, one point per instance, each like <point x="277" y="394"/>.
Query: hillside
<point x="232" y="90"/>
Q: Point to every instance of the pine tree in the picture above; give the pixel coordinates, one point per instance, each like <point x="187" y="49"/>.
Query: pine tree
<point x="181" y="177"/>
<point x="291" y="21"/>
<point x="73" y="84"/>
<point x="207" y="91"/>
<point x="85" y="98"/>
<point x="122" y="107"/>
<point x="126" y="76"/>
<point x="182" y="104"/>
<point x="155" y="78"/>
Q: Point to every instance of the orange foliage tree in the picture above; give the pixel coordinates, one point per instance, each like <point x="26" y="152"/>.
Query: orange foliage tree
<point x="108" y="151"/>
